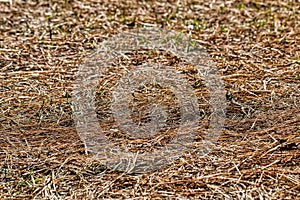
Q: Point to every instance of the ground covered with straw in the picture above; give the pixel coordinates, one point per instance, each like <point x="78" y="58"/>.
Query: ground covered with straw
<point x="256" y="48"/>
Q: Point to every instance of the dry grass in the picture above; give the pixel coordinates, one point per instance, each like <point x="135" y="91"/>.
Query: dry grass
<point x="256" y="47"/>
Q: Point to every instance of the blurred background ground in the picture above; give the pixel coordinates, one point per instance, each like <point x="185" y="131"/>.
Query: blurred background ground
<point x="255" y="45"/>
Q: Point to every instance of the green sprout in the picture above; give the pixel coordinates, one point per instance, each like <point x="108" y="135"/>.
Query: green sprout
<point x="297" y="77"/>
<point x="224" y="29"/>
<point x="241" y="6"/>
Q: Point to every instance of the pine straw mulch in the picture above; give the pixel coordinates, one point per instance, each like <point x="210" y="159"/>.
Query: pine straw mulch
<point x="256" y="47"/>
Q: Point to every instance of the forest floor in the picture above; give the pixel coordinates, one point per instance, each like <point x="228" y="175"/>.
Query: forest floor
<point x="255" y="46"/>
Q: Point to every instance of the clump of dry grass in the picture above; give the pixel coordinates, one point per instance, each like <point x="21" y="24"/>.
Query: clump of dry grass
<point x="255" y="46"/>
